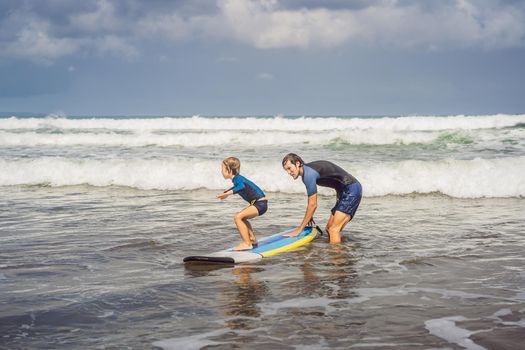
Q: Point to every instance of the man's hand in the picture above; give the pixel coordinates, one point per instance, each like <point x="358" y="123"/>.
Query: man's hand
<point x="295" y="233"/>
<point x="222" y="196"/>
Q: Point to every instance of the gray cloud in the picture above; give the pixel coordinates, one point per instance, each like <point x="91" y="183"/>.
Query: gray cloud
<point x="408" y="24"/>
<point x="44" y="31"/>
<point x="328" y="4"/>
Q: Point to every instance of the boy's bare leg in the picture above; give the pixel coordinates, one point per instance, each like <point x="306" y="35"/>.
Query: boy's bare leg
<point x="253" y="240"/>
<point x="247" y="213"/>
<point x="337" y="223"/>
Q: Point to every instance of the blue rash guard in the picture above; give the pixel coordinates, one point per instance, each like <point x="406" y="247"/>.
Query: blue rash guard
<point x="249" y="191"/>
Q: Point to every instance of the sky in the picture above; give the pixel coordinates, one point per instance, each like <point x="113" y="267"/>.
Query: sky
<point x="262" y="57"/>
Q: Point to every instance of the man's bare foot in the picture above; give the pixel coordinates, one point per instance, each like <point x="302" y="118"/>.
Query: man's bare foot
<point x="243" y="246"/>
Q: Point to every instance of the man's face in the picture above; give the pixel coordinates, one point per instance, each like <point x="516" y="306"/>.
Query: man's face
<point x="292" y="169"/>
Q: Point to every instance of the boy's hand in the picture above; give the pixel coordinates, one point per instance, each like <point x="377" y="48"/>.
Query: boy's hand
<point x="222" y="196"/>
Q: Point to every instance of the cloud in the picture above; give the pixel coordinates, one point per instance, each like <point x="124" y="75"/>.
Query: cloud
<point x="30" y="30"/>
<point x="28" y="34"/>
<point x="114" y="45"/>
<point x="263" y="25"/>
<point x="265" y="76"/>
<point x="168" y="26"/>
<point x="488" y="24"/>
<point x="34" y="41"/>
<point x="102" y="18"/>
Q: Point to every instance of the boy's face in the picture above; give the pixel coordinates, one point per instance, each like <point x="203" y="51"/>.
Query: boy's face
<point x="226" y="173"/>
<point x="292" y="169"/>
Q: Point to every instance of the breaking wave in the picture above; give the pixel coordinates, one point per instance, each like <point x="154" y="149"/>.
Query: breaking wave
<point x="474" y="178"/>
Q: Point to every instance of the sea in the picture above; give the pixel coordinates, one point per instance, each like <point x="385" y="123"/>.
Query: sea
<point x="97" y="214"/>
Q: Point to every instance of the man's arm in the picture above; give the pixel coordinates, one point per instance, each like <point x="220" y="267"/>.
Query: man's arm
<point x="310" y="210"/>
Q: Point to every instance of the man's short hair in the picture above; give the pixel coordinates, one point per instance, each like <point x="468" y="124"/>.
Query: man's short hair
<point x="293" y="158"/>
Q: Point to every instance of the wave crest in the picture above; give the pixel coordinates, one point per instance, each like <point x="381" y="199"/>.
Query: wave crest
<point x="279" y="123"/>
<point x="456" y="178"/>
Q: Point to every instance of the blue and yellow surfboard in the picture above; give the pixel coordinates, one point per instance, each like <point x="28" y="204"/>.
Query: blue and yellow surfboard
<point x="268" y="246"/>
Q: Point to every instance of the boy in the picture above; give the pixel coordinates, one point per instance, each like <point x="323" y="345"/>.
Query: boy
<point x="251" y="193"/>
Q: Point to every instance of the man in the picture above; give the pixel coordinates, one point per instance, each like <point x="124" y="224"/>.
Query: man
<point x="327" y="174"/>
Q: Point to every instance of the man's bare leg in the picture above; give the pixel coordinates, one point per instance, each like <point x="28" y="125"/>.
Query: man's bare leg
<point x="329" y="223"/>
<point x="335" y="225"/>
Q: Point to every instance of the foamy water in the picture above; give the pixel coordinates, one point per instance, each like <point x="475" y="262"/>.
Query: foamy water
<point x="457" y="178"/>
<point x="279" y="123"/>
<point x="460" y="156"/>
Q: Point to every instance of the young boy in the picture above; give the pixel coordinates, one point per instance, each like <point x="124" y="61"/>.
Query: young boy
<point x="251" y="193"/>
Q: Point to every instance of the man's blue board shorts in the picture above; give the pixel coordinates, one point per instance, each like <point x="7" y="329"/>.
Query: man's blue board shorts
<point x="348" y="200"/>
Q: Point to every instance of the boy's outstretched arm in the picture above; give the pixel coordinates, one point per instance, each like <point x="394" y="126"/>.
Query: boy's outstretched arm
<point x="225" y="194"/>
<point x="310" y="210"/>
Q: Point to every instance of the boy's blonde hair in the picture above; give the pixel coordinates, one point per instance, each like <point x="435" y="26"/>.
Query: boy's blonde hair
<point x="232" y="164"/>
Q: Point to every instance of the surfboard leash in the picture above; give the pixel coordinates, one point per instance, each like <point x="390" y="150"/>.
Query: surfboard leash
<point x="312" y="224"/>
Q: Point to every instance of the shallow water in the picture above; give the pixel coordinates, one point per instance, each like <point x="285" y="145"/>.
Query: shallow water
<point x="101" y="267"/>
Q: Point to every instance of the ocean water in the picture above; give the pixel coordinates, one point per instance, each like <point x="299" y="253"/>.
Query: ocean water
<point x="96" y="215"/>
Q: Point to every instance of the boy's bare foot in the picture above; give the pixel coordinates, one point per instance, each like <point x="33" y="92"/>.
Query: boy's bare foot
<point x="243" y="246"/>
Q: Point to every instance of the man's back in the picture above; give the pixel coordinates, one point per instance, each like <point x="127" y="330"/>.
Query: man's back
<point x="331" y="175"/>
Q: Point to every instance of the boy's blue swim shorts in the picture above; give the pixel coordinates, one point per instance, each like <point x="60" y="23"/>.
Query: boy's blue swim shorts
<point x="261" y="206"/>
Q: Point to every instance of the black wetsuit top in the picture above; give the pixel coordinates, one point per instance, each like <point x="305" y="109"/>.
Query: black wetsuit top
<point x="327" y="174"/>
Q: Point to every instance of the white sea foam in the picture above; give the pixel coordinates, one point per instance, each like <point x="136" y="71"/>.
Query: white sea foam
<point x="301" y="302"/>
<point x="254" y="138"/>
<point x="200" y="131"/>
<point x="197" y="341"/>
<point x="446" y="328"/>
<point x="411" y="123"/>
<point x="217" y="138"/>
<point x="457" y="178"/>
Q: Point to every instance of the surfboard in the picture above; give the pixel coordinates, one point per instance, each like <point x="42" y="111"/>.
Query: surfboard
<point x="267" y="246"/>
